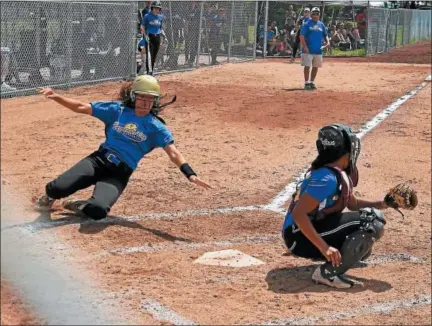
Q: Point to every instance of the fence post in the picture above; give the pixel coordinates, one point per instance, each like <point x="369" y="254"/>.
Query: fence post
<point x="378" y="35"/>
<point x="387" y="28"/>
<point x="397" y="28"/>
<point x="367" y="16"/>
<point x="134" y="12"/>
<point x="265" y="29"/>
<point x="69" y="44"/>
<point x="199" y="34"/>
<point x="255" y="33"/>
<point x="231" y="32"/>
<point x="37" y="34"/>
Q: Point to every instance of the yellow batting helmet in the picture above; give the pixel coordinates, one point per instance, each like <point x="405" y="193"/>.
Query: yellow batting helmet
<point x="146" y="85"/>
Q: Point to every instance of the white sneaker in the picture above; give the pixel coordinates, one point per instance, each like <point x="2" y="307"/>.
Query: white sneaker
<point x="338" y="281"/>
<point x="74" y="205"/>
<point x="44" y="203"/>
<point x="6" y="88"/>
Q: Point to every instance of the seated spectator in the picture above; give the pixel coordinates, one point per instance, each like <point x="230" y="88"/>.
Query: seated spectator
<point x="353" y="36"/>
<point x="274" y="29"/>
<point x="340" y="39"/>
<point x="5" y="60"/>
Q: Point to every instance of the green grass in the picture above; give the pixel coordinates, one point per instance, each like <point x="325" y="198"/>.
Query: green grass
<point x="339" y="53"/>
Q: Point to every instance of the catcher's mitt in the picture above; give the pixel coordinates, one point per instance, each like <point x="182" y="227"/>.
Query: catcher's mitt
<point x="401" y="196"/>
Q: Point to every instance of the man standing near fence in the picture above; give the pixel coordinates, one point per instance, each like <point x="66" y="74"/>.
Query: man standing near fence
<point x="311" y="38"/>
<point x="192" y="33"/>
<point x="302" y="21"/>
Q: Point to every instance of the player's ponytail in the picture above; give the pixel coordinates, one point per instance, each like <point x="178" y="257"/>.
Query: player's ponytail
<point x="124" y="95"/>
<point x="322" y="160"/>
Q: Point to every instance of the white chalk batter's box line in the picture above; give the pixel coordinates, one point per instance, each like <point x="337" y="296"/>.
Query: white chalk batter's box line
<point x="275" y="205"/>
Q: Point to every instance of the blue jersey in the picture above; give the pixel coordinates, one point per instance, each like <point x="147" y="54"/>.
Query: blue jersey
<point x="145" y="11"/>
<point x="314" y="33"/>
<point x="152" y="23"/>
<point x="305" y="20"/>
<point x="321" y="184"/>
<point x="130" y="137"/>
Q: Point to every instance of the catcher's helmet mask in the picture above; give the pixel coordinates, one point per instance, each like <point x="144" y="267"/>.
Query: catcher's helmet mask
<point x="336" y="140"/>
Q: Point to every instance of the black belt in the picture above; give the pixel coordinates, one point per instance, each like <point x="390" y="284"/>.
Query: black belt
<point x="114" y="160"/>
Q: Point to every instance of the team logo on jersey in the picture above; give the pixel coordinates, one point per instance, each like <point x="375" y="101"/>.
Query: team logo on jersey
<point x="316" y="28"/>
<point x="155" y="22"/>
<point x="130" y="130"/>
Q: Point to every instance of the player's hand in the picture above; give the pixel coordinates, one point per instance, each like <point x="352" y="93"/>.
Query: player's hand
<point x="48" y="92"/>
<point x="333" y="255"/>
<point x="199" y="182"/>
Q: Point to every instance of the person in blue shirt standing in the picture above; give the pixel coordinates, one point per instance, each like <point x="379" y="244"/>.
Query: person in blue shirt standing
<point x="151" y="29"/>
<point x="315" y="225"/>
<point x="146" y="9"/>
<point x="311" y="38"/>
<point x="302" y="21"/>
<point x="133" y="129"/>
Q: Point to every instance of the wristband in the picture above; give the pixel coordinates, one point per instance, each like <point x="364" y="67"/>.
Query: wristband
<point x="187" y="170"/>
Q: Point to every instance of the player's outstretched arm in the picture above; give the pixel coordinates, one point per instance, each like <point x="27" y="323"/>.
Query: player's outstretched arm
<point x="355" y="204"/>
<point x="177" y="158"/>
<point x="71" y="104"/>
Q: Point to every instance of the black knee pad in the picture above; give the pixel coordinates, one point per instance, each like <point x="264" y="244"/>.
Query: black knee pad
<point x="54" y="192"/>
<point x="359" y="244"/>
<point x="94" y="211"/>
<point x="372" y="222"/>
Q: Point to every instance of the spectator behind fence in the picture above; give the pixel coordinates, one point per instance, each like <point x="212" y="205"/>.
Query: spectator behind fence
<point x="353" y="36"/>
<point x="217" y="22"/>
<point x="302" y="21"/>
<point x="192" y="33"/>
<point x="290" y="18"/>
<point x="270" y="36"/>
<point x="360" y="18"/>
<point x="5" y="60"/>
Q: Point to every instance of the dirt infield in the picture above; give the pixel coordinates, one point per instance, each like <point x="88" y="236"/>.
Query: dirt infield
<point x="14" y="311"/>
<point x="414" y="53"/>
<point x="248" y="130"/>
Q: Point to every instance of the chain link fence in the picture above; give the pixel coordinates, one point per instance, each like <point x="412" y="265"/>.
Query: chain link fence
<point x="389" y="28"/>
<point x="62" y="44"/>
<point x="66" y="43"/>
<point x="354" y="28"/>
<point x="346" y="27"/>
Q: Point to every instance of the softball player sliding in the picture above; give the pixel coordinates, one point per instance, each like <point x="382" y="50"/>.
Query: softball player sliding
<point x="311" y="37"/>
<point x="133" y="129"/>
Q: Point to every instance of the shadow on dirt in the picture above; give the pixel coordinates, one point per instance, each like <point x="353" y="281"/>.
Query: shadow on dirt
<point x="298" y="279"/>
<point x="89" y="226"/>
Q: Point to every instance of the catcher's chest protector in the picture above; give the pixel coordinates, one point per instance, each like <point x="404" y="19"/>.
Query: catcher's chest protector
<point x="344" y="192"/>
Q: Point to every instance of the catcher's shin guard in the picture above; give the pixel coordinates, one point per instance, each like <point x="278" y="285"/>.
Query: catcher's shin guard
<point x="358" y="244"/>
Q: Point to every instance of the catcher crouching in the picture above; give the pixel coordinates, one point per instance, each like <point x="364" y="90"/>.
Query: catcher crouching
<point x="133" y="129"/>
<point x="315" y="225"/>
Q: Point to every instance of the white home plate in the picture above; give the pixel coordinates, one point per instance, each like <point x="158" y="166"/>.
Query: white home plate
<point x="429" y="78"/>
<point x="230" y="257"/>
